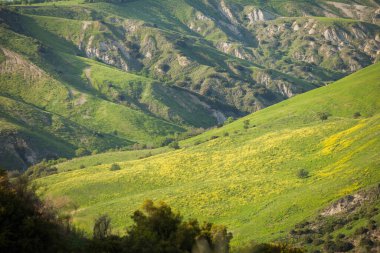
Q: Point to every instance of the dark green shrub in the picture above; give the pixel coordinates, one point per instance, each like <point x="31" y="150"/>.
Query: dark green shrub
<point x="246" y="124"/>
<point x="323" y="116"/>
<point x="361" y="230"/>
<point x="340" y="236"/>
<point x="81" y="152"/>
<point x="42" y="169"/>
<point x="82" y="166"/>
<point x="214" y="137"/>
<point x="270" y="248"/>
<point x="329" y="246"/>
<point x="366" y="242"/>
<point x="318" y="242"/>
<point x="302" y="173"/>
<point x="115" y="167"/>
<point x="174" y="145"/>
<point x="309" y="240"/>
<point x="229" y="120"/>
<point x="343" y="246"/>
<point x="102" y="227"/>
<point x="357" y="115"/>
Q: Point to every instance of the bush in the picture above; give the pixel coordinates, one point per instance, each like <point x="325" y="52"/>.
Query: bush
<point x="340" y="236"/>
<point x="343" y="246"/>
<point x="174" y="145"/>
<point x="229" y="120"/>
<point x="82" y="166"/>
<point x="115" y="167"/>
<point x="366" y="242"/>
<point x="158" y="229"/>
<point x="309" y="240"/>
<point x="102" y="227"/>
<point x="81" y="152"/>
<point x="246" y="124"/>
<point x="270" y="248"/>
<point x="27" y="223"/>
<point x="42" y="169"/>
<point x="329" y="246"/>
<point x="357" y="115"/>
<point x="361" y="230"/>
<point x="318" y="242"/>
<point x="302" y="173"/>
<point x="323" y="116"/>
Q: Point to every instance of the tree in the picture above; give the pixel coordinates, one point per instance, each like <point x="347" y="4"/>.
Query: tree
<point x="158" y="229"/>
<point x="246" y="124"/>
<point x="220" y="239"/>
<point x="102" y="227"/>
<point x="26" y="223"/>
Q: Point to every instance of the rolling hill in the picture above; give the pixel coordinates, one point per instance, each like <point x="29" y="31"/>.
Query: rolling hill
<point x="106" y="75"/>
<point x="245" y="174"/>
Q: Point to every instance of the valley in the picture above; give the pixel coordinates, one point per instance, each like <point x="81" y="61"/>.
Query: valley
<point x="261" y="116"/>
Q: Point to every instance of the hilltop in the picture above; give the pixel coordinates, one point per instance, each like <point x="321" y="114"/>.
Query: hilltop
<point x="246" y="174"/>
<point x="79" y="78"/>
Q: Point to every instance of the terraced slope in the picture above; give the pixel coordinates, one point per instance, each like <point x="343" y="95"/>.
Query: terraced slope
<point x="245" y="174"/>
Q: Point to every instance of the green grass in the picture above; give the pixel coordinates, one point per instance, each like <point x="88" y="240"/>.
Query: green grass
<point x="109" y="157"/>
<point x="247" y="180"/>
<point x="72" y="86"/>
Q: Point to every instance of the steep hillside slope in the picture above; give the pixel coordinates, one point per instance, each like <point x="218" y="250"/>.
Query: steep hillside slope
<point x="143" y="71"/>
<point x="247" y="174"/>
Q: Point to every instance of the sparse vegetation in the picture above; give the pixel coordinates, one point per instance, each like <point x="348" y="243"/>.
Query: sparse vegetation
<point x="334" y="232"/>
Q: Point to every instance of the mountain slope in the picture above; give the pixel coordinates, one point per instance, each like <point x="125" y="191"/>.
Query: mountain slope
<point x="244" y="174"/>
<point x="145" y="71"/>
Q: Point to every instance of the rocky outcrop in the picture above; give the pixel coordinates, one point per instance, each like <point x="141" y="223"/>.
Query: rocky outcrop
<point x="227" y="11"/>
<point x="112" y="53"/>
<point x="256" y="15"/>
<point x="357" y="11"/>
<point x="350" y="203"/>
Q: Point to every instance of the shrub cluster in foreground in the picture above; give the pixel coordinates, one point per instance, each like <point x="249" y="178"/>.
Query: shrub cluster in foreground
<point x="28" y="224"/>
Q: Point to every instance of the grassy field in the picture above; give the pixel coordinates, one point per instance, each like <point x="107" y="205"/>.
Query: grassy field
<point x="109" y="157"/>
<point x="246" y="177"/>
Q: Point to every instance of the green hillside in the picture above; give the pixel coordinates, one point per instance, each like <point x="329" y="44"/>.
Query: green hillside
<point x="114" y="73"/>
<point x="245" y="174"/>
